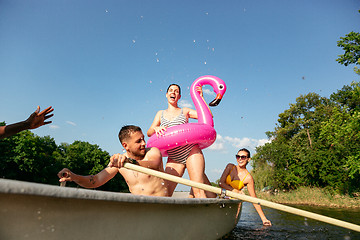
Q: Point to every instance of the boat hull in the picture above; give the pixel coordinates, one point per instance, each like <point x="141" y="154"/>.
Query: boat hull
<point x="39" y="211"/>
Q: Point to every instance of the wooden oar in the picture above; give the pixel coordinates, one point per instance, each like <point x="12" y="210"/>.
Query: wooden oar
<point x="243" y="197"/>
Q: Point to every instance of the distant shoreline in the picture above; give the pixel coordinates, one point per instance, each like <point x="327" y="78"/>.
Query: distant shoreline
<point x="311" y="197"/>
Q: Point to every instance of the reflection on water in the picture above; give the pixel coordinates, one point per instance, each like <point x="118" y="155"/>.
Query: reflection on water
<point x="290" y="226"/>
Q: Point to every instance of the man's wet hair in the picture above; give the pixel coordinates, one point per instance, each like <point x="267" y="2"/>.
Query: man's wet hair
<point x="125" y="132"/>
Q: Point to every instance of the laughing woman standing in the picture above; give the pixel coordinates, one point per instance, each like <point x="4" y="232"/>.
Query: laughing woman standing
<point x="188" y="156"/>
<point x="236" y="177"/>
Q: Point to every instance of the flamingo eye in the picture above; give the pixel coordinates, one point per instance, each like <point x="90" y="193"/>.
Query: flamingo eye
<point x="221" y="87"/>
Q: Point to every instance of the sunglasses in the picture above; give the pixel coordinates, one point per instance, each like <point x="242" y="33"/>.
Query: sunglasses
<point x="243" y="157"/>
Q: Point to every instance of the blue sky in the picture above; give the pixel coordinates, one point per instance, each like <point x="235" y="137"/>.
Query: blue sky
<point x="105" y="64"/>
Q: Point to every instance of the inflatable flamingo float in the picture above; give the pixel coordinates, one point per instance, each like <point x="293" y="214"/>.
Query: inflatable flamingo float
<point x="202" y="132"/>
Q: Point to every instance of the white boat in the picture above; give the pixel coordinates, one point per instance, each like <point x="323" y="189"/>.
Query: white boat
<point x="39" y="211"/>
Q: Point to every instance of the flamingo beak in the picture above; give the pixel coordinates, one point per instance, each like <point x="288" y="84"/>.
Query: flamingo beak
<point x="216" y="101"/>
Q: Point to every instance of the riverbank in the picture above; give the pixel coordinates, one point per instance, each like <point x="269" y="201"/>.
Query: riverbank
<point x="312" y="197"/>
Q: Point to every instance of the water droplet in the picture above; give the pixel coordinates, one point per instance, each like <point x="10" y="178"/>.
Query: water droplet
<point x="133" y="41"/>
<point x="150" y="81"/>
<point x="157" y="60"/>
<point x="205" y="62"/>
<point x="123" y="150"/>
<point x="194" y="41"/>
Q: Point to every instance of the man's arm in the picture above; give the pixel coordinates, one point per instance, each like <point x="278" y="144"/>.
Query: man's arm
<point x="152" y="160"/>
<point x="90" y="181"/>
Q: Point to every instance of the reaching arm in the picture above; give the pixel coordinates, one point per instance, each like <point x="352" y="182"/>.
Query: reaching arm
<point x="192" y="113"/>
<point x="251" y="189"/>
<point x="90" y="181"/>
<point x="35" y="120"/>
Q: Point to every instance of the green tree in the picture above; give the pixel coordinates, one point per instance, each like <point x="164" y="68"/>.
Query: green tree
<point x="27" y="157"/>
<point x="315" y="143"/>
<point x="341" y="136"/>
<point x="348" y="97"/>
<point x="351" y="45"/>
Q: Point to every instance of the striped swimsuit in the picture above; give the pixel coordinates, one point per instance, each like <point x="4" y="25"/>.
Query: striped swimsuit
<point x="178" y="154"/>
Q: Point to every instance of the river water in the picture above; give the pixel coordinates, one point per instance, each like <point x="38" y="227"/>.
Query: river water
<point x="290" y="226"/>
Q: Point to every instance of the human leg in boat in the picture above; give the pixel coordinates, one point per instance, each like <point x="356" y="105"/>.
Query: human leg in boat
<point x="176" y="169"/>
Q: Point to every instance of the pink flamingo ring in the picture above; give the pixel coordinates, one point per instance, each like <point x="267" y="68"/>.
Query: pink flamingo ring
<point x="202" y="132"/>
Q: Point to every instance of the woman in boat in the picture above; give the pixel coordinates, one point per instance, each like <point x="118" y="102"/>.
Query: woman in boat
<point x="188" y="156"/>
<point x="236" y="177"/>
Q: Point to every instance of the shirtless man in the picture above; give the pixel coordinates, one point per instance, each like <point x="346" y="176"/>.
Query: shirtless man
<point x="132" y="139"/>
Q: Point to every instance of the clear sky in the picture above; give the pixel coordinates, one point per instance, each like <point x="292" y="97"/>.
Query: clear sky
<point x="105" y="64"/>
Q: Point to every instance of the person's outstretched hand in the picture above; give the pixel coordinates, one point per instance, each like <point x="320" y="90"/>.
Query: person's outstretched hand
<point x="37" y="119"/>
